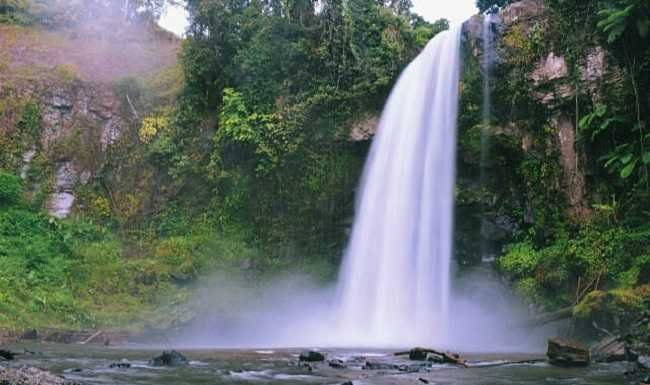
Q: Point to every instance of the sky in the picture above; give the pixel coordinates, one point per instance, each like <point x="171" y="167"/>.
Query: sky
<point x="456" y="11"/>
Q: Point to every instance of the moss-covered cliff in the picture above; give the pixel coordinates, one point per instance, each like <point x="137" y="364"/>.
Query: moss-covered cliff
<point x="562" y="210"/>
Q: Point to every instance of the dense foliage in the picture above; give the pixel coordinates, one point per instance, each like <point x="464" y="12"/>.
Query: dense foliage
<point x="593" y="252"/>
<point x="275" y="87"/>
<point x="240" y="158"/>
<point x="237" y="158"/>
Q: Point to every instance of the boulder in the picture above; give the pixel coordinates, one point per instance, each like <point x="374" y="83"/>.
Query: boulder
<point x="312" y="356"/>
<point x="337" y="364"/>
<point x="566" y="353"/>
<point x="612" y="349"/>
<point x="170" y="358"/>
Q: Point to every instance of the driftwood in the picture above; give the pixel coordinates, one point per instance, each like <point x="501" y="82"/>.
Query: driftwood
<point x="502" y="363"/>
<point x="452" y="358"/>
<point x="447" y="357"/>
<point x="92" y="337"/>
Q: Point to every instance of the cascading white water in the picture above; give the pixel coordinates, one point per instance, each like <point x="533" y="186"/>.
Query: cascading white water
<point x="395" y="280"/>
<point x="486" y="64"/>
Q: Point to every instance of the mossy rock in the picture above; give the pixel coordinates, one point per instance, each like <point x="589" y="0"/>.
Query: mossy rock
<point x="615" y="311"/>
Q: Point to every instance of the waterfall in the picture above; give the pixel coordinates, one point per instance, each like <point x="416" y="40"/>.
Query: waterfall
<point x="486" y="64"/>
<point x="394" y="287"/>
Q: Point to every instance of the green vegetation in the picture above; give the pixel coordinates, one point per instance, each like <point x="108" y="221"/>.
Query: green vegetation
<point x="238" y="159"/>
<point x="594" y="254"/>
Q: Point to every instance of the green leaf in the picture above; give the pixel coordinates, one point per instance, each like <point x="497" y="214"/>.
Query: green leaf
<point x="646" y="158"/>
<point x="609" y="159"/>
<point x="585" y="121"/>
<point x="627" y="170"/>
<point x="625" y="159"/>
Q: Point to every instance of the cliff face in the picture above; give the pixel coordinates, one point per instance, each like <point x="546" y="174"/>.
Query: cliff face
<point x="535" y="162"/>
<point x="61" y="109"/>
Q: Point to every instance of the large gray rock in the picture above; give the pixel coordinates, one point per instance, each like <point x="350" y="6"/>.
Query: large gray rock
<point x="566" y="353"/>
<point x="612" y="349"/>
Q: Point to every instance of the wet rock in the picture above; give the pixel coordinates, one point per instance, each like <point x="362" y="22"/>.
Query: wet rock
<point x="418" y="354"/>
<point x="123" y="364"/>
<point x="337" y="364"/>
<point x="7" y="355"/>
<point x="565" y="353"/>
<point x="423" y="380"/>
<point x="170" y="358"/>
<point x="312" y="356"/>
<point x="612" y="349"/>
<point x="374" y="365"/>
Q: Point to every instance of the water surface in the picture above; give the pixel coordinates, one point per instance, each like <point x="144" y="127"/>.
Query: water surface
<point x="90" y="365"/>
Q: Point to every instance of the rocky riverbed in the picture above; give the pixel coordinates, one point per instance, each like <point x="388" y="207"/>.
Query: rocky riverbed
<point x="134" y="365"/>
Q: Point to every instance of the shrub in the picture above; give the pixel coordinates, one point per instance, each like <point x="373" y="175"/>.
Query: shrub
<point x="10" y="189"/>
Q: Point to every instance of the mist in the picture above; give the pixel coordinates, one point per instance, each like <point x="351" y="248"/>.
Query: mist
<point x="295" y="312"/>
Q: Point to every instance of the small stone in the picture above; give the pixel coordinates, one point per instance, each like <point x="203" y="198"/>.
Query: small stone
<point x="423" y="380"/>
<point x="418" y="354"/>
<point x="348" y="383"/>
<point x="312" y="356"/>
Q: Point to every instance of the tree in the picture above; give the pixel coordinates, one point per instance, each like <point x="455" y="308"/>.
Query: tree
<point x="492" y="6"/>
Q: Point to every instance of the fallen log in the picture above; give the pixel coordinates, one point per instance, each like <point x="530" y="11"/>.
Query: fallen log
<point x="92" y="337"/>
<point x="503" y="363"/>
<point x="420" y="354"/>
